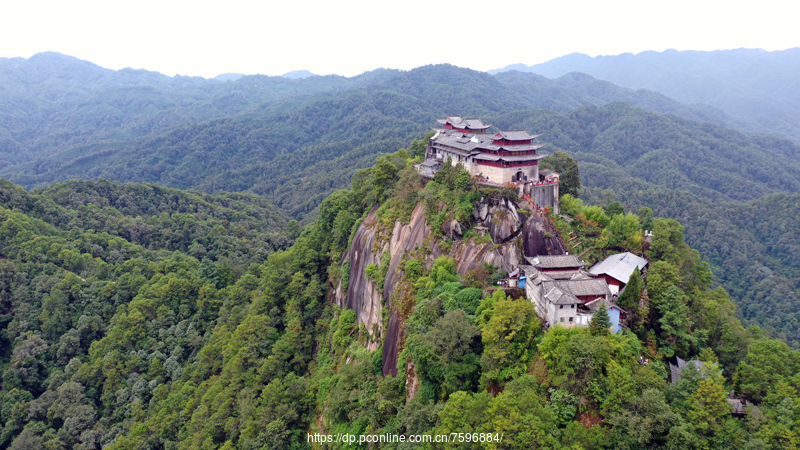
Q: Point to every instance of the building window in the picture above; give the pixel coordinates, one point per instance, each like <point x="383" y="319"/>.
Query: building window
<point x="572" y="306"/>
<point x="562" y="319"/>
<point x="560" y="306"/>
<point x="570" y="320"/>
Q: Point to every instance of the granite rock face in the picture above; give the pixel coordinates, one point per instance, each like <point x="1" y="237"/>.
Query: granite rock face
<point x="500" y="217"/>
<point x="512" y="238"/>
<point x="540" y="238"/>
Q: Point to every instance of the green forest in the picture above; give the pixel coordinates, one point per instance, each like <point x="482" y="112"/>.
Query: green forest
<point x="143" y="317"/>
<point x="295" y="142"/>
<point x="173" y="251"/>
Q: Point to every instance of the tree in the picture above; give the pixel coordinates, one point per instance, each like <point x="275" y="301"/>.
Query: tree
<point x="384" y="172"/>
<point x="464" y="413"/>
<point x="644" y="421"/>
<point x="508" y="339"/>
<point x="675" y="322"/>
<point x="600" y="322"/>
<point x="768" y="362"/>
<point x="629" y="299"/>
<point x="567" y="167"/>
<point x="623" y="232"/>
<point x="522" y="416"/>
<point x="596" y="214"/>
<point x="708" y="404"/>
<point x="452" y="342"/>
<point x="646" y="217"/>
<point x="660" y="277"/>
<point x="574" y="357"/>
<point x="614" y="208"/>
<point x="667" y="243"/>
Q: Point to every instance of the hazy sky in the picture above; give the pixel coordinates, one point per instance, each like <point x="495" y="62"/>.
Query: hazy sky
<point x="349" y="37"/>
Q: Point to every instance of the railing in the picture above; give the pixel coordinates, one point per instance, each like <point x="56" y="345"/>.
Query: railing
<point x="540" y="183"/>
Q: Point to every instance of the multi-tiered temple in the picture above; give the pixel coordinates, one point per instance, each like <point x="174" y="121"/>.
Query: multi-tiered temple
<point x="502" y="157"/>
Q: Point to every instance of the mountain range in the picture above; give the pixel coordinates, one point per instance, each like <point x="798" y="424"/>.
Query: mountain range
<point x="136" y="315"/>
<point x="757" y="87"/>
<point x="296" y="141"/>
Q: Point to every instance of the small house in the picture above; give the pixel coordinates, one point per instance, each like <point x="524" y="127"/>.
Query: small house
<point x="617" y="269"/>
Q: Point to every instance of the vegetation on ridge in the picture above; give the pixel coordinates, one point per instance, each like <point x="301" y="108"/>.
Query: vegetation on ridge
<point x="110" y="342"/>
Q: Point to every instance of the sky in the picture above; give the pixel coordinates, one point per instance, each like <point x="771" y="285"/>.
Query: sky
<point x="349" y="37"/>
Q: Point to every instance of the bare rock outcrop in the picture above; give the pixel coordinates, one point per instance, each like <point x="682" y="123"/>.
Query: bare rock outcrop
<point x="452" y="229"/>
<point x="469" y="256"/>
<point x="511" y="238"/>
<point x="362" y="295"/>
<point x="500" y="217"/>
<point x="540" y="238"/>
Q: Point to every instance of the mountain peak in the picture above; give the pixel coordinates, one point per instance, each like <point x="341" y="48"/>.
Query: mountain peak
<point x="298" y="74"/>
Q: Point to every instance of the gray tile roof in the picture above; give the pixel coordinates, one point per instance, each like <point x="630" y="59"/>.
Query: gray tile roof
<point x="594" y="305"/>
<point x="513" y="148"/>
<point x="675" y="369"/>
<point x="475" y="124"/>
<point x="515" y="135"/>
<point x="555" y="261"/>
<point x="458" y="121"/>
<point x="486" y="157"/>
<point x="557" y="275"/>
<point x="619" y="266"/>
<point x="521" y="158"/>
<point x="565" y="292"/>
<point x="592" y="286"/>
<point x="558" y="297"/>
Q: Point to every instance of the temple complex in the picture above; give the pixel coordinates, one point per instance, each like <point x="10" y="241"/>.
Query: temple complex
<point x="501" y="157"/>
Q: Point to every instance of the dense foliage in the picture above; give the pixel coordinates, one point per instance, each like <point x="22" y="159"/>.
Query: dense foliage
<point x="138" y="316"/>
<point x="478" y="362"/>
<point x="297" y="141"/>
<point x="147" y="345"/>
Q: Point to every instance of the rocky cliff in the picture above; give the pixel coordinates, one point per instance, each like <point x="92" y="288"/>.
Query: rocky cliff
<point x="512" y="236"/>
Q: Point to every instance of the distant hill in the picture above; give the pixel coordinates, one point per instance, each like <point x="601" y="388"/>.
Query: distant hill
<point x="51" y="103"/>
<point x="228" y="76"/>
<point x="271" y="135"/>
<point x="298" y="74"/>
<point x="216" y="136"/>
<point x="573" y="90"/>
<point x="756" y="86"/>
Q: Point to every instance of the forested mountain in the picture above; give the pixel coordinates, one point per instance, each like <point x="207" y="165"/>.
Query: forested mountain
<point x="111" y="344"/>
<point x="50" y="103"/>
<point x="755" y="86"/>
<point x="85" y="268"/>
<point x="295" y="142"/>
<point x="573" y="90"/>
<point x="270" y="135"/>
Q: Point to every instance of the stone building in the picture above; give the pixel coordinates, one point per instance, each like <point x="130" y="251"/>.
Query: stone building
<point x="501" y="157"/>
<point x="564" y="293"/>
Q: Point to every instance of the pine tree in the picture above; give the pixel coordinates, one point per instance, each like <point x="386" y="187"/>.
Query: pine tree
<point x="675" y="322"/>
<point x="629" y="299"/>
<point x="709" y="406"/>
<point x="600" y="322"/>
